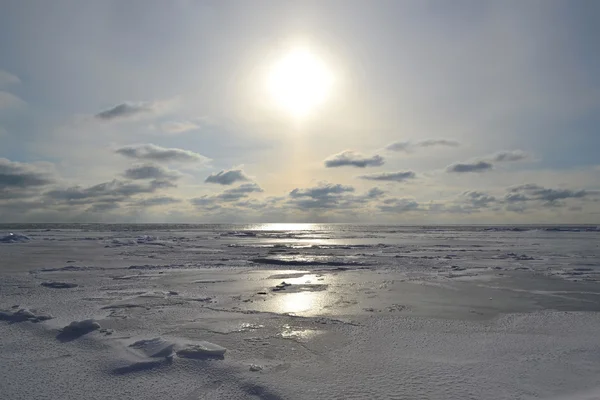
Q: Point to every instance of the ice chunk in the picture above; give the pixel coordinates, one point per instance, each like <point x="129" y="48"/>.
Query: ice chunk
<point x="22" y="315"/>
<point x="14" y="238"/>
<point x="76" y="329"/>
<point x="157" y="347"/>
<point x="201" y="350"/>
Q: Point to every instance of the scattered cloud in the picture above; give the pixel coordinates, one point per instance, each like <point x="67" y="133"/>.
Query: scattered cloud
<point x="177" y="127"/>
<point x="399" y="205"/>
<point x="532" y="191"/>
<point x="103" y="207"/>
<point x="124" y="110"/>
<point x="510" y="156"/>
<point x="239" y="192"/>
<point x="323" y="190"/>
<point x="227" y="196"/>
<point x="6" y="78"/>
<point x="152" y="152"/>
<point x="478" y="199"/>
<point x="150" y="171"/>
<point x="375" y="193"/>
<point x="9" y="100"/>
<point x="400" y="176"/>
<point x="227" y="177"/>
<point x="478" y="166"/>
<point x="353" y="159"/>
<point x="408" y="146"/>
<point x="113" y="191"/>
<point x="157" y="201"/>
<point x="22" y="175"/>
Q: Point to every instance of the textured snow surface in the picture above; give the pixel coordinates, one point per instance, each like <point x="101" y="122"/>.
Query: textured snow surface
<point x="333" y="313"/>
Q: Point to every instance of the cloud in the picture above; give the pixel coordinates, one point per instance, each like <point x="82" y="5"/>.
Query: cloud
<point x="9" y="100"/>
<point x="150" y="171"/>
<point x="103" y="207"/>
<point x="6" y="78"/>
<point x="177" y="127"/>
<point x="157" y="201"/>
<point x="532" y="191"/>
<point x="227" y="196"/>
<point x="124" y="110"/>
<point x="152" y="152"/>
<point x="239" y="192"/>
<point x="325" y="195"/>
<point x="375" y="193"/>
<point x="113" y="191"/>
<point x="478" y="199"/>
<point x="353" y="159"/>
<point x="323" y="190"/>
<point x="510" y="156"/>
<point x="22" y="175"/>
<point x="407" y="146"/>
<point x="399" y="205"/>
<point x="227" y="177"/>
<point x="400" y="176"/>
<point x="479" y="166"/>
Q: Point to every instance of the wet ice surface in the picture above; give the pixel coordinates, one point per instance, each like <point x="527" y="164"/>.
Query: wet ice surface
<point x="286" y="312"/>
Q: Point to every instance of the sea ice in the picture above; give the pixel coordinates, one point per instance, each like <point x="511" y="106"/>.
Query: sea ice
<point x="22" y="315"/>
<point x="59" y="285"/>
<point x="201" y="350"/>
<point x="14" y="238"/>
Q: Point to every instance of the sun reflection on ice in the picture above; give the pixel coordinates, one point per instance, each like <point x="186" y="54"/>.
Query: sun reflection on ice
<point x="301" y="302"/>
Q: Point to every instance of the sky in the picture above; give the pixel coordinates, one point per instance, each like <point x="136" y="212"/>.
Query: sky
<point x="397" y="112"/>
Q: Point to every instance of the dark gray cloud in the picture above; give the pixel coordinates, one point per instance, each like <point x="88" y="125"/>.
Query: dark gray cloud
<point x="478" y="199"/>
<point x="123" y="110"/>
<point x="227" y="177"/>
<point x="239" y="192"/>
<point x="113" y="191"/>
<point x="152" y="152"/>
<point x="325" y="195"/>
<point x="510" y="156"/>
<point x="477" y="166"/>
<point x="399" y="205"/>
<point x="399" y="176"/>
<point x="375" y="193"/>
<point x="410" y="146"/>
<point x="322" y="190"/>
<point x="150" y="171"/>
<point x="533" y="191"/>
<point x="227" y="196"/>
<point x="103" y="207"/>
<point x="353" y="159"/>
<point x="157" y="201"/>
<point x="15" y="175"/>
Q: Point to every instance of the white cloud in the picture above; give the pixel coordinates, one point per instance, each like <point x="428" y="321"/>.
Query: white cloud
<point x="6" y="78"/>
<point x="9" y="100"/>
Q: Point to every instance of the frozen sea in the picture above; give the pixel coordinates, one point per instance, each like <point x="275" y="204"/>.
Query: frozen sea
<point x="299" y="311"/>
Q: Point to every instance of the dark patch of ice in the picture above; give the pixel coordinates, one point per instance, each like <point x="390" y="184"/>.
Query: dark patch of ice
<point x="59" y="285"/>
<point x="77" y="329"/>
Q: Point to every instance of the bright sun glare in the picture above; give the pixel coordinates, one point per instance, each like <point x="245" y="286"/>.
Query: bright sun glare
<point x="300" y="82"/>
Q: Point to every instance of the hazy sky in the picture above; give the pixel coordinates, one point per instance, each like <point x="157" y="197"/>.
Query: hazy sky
<point x="382" y="111"/>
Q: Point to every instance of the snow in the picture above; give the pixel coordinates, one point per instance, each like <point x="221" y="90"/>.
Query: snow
<point x="364" y="312"/>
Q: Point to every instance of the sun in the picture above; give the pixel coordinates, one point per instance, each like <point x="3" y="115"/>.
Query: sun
<point x="299" y="82"/>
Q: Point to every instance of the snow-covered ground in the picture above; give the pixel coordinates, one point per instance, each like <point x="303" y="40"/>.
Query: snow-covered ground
<point x="299" y="312"/>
